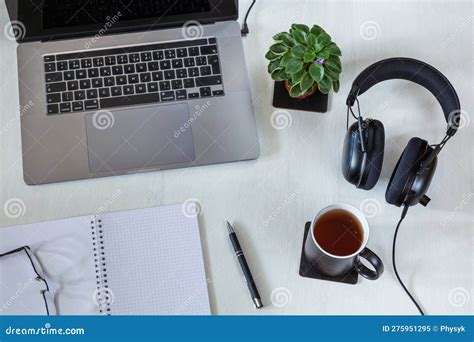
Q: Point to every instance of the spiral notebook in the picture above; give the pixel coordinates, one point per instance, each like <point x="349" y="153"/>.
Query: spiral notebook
<point x="145" y="262"/>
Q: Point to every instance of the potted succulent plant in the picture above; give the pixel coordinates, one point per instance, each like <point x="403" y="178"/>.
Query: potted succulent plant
<point x="307" y="60"/>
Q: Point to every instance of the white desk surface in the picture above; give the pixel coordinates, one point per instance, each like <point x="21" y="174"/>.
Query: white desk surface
<point x="298" y="173"/>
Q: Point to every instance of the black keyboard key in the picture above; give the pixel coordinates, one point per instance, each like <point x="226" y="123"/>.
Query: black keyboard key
<point x="98" y="61"/>
<point x="189" y="62"/>
<point x="181" y="94"/>
<point x="213" y="61"/>
<point x="189" y="83"/>
<point x="208" y="81"/>
<point x="49" y="58"/>
<point x="74" y="64"/>
<point x="53" y="77"/>
<point x="67" y="96"/>
<point x="117" y="70"/>
<point x="77" y="106"/>
<point x="193" y="72"/>
<point x="53" y="109"/>
<point x="65" y="107"/>
<point x="193" y="95"/>
<point x="167" y="96"/>
<point x="157" y="76"/>
<point x="80" y="74"/>
<point x="145" y="77"/>
<point x="129" y="100"/>
<point x="209" y="50"/>
<point x="165" y="65"/>
<point x="84" y="84"/>
<point x="62" y="66"/>
<point x="145" y="56"/>
<point x="141" y="67"/>
<point x="72" y="85"/>
<point x="182" y="52"/>
<point x="86" y="63"/>
<point x="193" y="51"/>
<point x="212" y="40"/>
<point x="105" y="71"/>
<point x="122" y="59"/>
<point x="91" y="104"/>
<point x="55" y="87"/>
<point x="129" y="68"/>
<point x="201" y="60"/>
<point x="50" y="67"/>
<point x="109" y="81"/>
<point x="152" y="87"/>
<point x="128" y="90"/>
<point x="177" y="63"/>
<point x="165" y="85"/>
<point x="69" y="75"/>
<point x="181" y="73"/>
<point x="110" y="60"/>
<point x="140" y="88"/>
<point x="177" y="84"/>
<point x="205" y="70"/>
<point x="169" y="75"/>
<point x="158" y="55"/>
<point x="134" y="58"/>
<point x="94" y="72"/>
<point x="79" y="95"/>
<point x="217" y="93"/>
<point x="116" y="91"/>
<point x="132" y="78"/>
<point x="97" y="82"/>
<point x="121" y="80"/>
<point x="53" y="98"/>
<point x="205" y="92"/>
<point x="170" y="54"/>
<point x="92" y="94"/>
<point x="153" y="66"/>
<point x="104" y="92"/>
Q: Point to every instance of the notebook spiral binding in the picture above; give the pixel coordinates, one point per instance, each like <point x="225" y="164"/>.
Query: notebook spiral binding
<point x="102" y="296"/>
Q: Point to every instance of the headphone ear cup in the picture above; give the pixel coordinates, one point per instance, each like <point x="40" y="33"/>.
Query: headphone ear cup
<point x="375" y="146"/>
<point x="405" y="170"/>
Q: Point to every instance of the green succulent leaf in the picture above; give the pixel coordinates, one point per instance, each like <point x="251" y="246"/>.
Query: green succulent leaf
<point x="300" y="36"/>
<point x="312" y="40"/>
<point x="274" y="65"/>
<point x="331" y="74"/>
<point x="294" y="65"/>
<point x="333" y="49"/>
<point x="296" y="91"/>
<point x="271" y="56"/>
<point x="317" y="30"/>
<point x="285" y="38"/>
<point x="317" y="72"/>
<point x="309" y="56"/>
<point x="279" y="75"/>
<point x="286" y="58"/>
<point x="324" y="39"/>
<point x="323" y="54"/>
<point x="298" y="51"/>
<point x="296" y="78"/>
<point x="333" y="65"/>
<point x="306" y="82"/>
<point x="278" y="49"/>
<point x="335" y="86"/>
<point x="301" y="27"/>
<point x="325" y="85"/>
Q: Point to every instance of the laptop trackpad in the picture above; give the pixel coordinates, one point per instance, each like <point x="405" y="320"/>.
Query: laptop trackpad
<point x="139" y="138"/>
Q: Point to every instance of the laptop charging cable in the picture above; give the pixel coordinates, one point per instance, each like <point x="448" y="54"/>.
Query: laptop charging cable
<point x="245" y="28"/>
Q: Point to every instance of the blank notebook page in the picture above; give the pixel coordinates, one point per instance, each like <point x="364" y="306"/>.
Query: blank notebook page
<point x="153" y="262"/>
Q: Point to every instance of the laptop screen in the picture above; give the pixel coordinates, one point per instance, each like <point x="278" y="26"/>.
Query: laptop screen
<point x="45" y="19"/>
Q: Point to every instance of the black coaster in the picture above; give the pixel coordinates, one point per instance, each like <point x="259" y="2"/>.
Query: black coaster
<point x="308" y="270"/>
<point x="316" y="103"/>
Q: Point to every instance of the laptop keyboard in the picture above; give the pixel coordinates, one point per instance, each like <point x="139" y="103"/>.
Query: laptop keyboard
<point x="133" y="75"/>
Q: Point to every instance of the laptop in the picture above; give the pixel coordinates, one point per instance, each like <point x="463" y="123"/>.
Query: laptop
<point x="113" y="87"/>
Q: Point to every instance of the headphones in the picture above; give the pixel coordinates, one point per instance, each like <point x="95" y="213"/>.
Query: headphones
<point x="365" y="139"/>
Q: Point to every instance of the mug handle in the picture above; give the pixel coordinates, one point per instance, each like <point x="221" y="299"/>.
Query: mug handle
<point x="373" y="259"/>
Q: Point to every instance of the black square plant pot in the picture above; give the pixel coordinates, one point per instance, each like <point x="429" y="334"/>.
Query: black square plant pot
<point x="315" y="103"/>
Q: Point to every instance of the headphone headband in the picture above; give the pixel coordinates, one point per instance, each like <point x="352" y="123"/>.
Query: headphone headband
<point x="415" y="71"/>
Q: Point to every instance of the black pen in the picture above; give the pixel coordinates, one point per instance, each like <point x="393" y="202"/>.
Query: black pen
<point x="245" y="268"/>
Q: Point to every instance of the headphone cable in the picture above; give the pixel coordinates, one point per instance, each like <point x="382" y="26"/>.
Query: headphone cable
<point x="245" y="28"/>
<point x="404" y="213"/>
